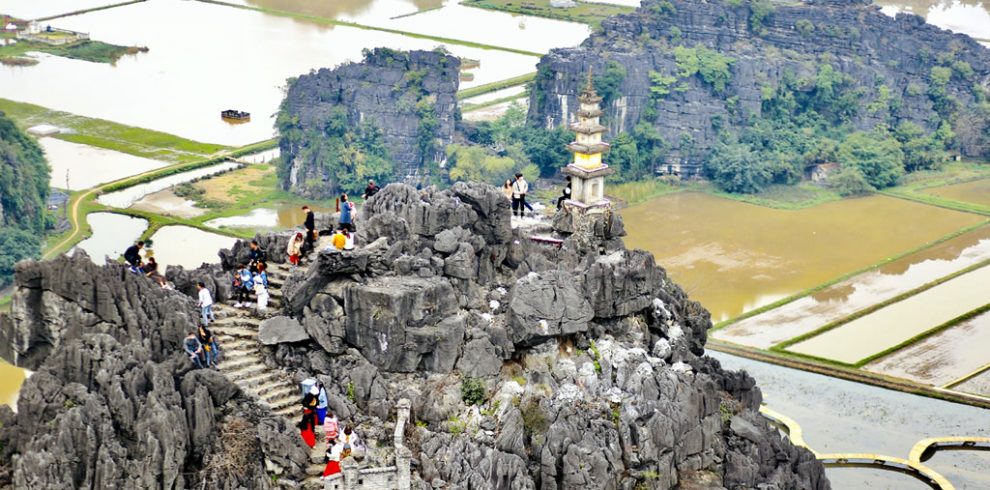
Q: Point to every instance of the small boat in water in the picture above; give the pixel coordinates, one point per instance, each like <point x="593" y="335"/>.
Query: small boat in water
<point x="235" y="115"/>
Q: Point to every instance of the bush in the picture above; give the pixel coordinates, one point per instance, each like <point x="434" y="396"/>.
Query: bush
<point x="849" y="181"/>
<point x="472" y="391"/>
<point x="736" y="168"/>
<point x="877" y="155"/>
<point x="16" y="245"/>
<point x="805" y="27"/>
<point x="534" y="420"/>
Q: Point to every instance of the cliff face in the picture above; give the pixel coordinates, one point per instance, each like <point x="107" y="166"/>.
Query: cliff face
<point x="899" y="69"/>
<point x="409" y="97"/>
<point x="112" y="402"/>
<point x="527" y="366"/>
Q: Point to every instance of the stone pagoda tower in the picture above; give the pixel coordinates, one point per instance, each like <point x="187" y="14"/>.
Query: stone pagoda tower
<point x="587" y="171"/>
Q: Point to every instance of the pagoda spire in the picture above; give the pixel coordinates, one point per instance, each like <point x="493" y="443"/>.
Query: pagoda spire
<point x="587" y="170"/>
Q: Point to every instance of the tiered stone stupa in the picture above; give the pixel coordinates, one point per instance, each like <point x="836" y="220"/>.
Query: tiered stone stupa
<point x="588" y="171"/>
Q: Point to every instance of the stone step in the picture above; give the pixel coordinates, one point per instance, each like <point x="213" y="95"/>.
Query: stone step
<point x="244" y="371"/>
<point x="253" y="354"/>
<point x="285" y="390"/>
<point x="283" y="402"/>
<point x="252" y="383"/>
<point x="235" y="362"/>
<point x="244" y="332"/>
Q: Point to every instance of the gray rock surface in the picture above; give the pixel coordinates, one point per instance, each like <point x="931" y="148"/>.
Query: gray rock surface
<point x="281" y="330"/>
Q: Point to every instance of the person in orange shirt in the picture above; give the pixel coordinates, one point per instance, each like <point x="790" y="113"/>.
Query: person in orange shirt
<point x="339" y="240"/>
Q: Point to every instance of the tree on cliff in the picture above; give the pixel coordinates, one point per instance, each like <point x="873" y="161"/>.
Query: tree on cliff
<point x="24" y="177"/>
<point x="877" y="155"/>
<point x="23" y="192"/>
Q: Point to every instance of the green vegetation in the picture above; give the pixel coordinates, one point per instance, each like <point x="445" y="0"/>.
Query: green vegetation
<point x="532" y="150"/>
<point x="495" y="86"/>
<point x="24" y="177"/>
<point x="916" y="183"/>
<point x="534" y="418"/>
<point x="713" y="67"/>
<point x="636" y="192"/>
<point x="759" y="12"/>
<point x="804" y="122"/>
<point x="93" y="51"/>
<point x="472" y="391"/>
<point x="585" y="12"/>
<point x="110" y="135"/>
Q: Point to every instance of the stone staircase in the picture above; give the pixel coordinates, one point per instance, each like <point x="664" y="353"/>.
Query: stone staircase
<point x="243" y="363"/>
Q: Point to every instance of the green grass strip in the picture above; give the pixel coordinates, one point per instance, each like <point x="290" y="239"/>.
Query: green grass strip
<point x="495" y="86"/>
<point x="940" y="202"/>
<point x="101" y="133"/>
<point x="832" y="282"/>
<point x="86" y="11"/>
<point x="877" y="306"/>
<point x="923" y="335"/>
<point x="584" y="12"/>
<point x="484" y="105"/>
<point x="343" y="23"/>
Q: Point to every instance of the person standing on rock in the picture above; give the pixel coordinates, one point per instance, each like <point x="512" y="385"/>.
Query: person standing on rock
<point x="371" y="190"/>
<point x="565" y="194"/>
<point x="294" y="249"/>
<point x="260" y="281"/>
<point x="310" y="225"/>
<point x="346" y="213"/>
<point x="133" y="254"/>
<point x="322" y="404"/>
<point x="194" y="349"/>
<point x="507" y="190"/>
<point x="205" y="303"/>
<point x="242" y="286"/>
<point x="331" y="427"/>
<point x="519" y="189"/>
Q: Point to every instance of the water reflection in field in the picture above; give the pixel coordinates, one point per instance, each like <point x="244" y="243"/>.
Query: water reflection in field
<point x="188" y="247"/>
<point x="735" y="257"/>
<point x="84" y="166"/>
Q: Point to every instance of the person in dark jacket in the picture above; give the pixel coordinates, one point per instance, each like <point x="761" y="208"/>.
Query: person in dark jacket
<point x="257" y="256"/>
<point x="371" y="190"/>
<point x="310" y="225"/>
<point x="133" y="254"/>
<point x="209" y="343"/>
<point x="565" y="194"/>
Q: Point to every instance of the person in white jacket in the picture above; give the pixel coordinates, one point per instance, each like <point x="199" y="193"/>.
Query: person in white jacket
<point x="519" y="189"/>
<point x="205" y="303"/>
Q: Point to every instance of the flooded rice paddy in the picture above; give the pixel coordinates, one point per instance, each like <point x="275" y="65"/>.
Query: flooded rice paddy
<point x="734" y="257"/>
<point x="360" y="11"/>
<point x="969" y="17"/>
<point x="943" y="357"/>
<point x="112" y="234"/>
<point x="167" y="203"/>
<point x="85" y="166"/>
<point x="198" y="70"/>
<point x="979" y="384"/>
<point x="900" y="321"/>
<point x="188" y="247"/>
<point x="977" y="192"/>
<point x="11" y="379"/>
<point x="125" y="198"/>
<point x="861" y="291"/>
<point x="288" y="216"/>
<point x="841" y="416"/>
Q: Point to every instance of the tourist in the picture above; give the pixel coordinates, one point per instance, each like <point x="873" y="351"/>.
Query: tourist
<point x="331" y="427"/>
<point x="310" y="225"/>
<point x="307" y="427"/>
<point x="322" y="403"/>
<point x="507" y="190"/>
<point x="294" y="249"/>
<point x="371" y="190"/>
<point x="350" y="443"/>
<point x="209" y="342"/>
<point x="348" y="241"/>
<point x="133" y="254"/>
<point x="205" y="303"/>
<point x="338" y="240"/>
<point x="256" y="256"/>
<point x="333" y="464"/>
<point x="519" y="189"/>
<point x="346" y="213"/>
<point x="260" y="281"/>
<point x="565" y="194"/>
<point x="242" y="286"/>
<point x="151" y="271"/>
<point x="194" y="349"/>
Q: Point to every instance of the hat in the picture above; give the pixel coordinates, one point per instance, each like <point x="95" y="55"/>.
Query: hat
<point x="314" y="390"/>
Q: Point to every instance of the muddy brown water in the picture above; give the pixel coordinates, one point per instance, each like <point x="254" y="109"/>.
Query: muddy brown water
<point x="861" y="291"/>
<point x="734" y="257"/>
<point x="900" y="321"/>
<point x="943" y="357"/>
<point x="198" y="70"/>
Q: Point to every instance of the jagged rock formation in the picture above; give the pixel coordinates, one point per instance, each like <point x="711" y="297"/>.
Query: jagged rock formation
<point x="586" y="362"/>
<point x="892" y="64"/>
<point x="409" y="96"/>
<point x="113" y="402"/>
<point x="526" y="366"/>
